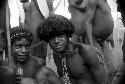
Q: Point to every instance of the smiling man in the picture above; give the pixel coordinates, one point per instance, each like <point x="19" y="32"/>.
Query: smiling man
<point x="76" y="63"/>
<point x="26" y="65"/>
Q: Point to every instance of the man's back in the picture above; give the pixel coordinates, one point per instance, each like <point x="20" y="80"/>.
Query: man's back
<point x="102" y="21"/>
<point x="97" y="12"/>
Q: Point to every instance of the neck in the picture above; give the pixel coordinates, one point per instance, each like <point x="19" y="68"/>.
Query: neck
<point x="18" y="63"/>
<point x="68" y="50"/>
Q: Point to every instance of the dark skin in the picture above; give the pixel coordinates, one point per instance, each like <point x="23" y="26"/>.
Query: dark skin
<point x="93" y="18"/>
<point x="21" y="57"/>
<point x="34" y="72"/>
<point x="84" y="67"/>
<point x="86" y="14"/>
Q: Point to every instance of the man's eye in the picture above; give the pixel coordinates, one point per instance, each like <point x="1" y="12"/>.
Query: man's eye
<point x="18" y="46"/>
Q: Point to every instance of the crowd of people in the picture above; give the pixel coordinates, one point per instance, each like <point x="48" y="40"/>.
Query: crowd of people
<point x="80" y="47"/>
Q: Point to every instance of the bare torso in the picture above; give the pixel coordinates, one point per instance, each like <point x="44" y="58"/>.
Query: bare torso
<point x="102" y="21"/>
<point x="79" y="70"/>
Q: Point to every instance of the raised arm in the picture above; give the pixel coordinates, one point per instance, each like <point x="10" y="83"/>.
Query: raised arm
<point x="87" y="9"/>
<point x="97" y="65"/>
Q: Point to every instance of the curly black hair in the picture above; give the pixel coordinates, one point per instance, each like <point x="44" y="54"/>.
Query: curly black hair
<point x="17" y="33"/>
<point x="54" y="25"/>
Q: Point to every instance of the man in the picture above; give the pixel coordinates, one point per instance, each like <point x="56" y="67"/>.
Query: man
<point x="92" y="17"/>
<point x="26" y="65"/>
<point x="94" y="25"/>
<point x="76" y="63"/>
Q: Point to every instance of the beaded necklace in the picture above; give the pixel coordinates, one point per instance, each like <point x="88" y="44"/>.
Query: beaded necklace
<point x="65" y="70"/>
<point x="19" y="74"/>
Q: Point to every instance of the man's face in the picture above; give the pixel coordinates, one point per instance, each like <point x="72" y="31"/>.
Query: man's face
<point x="20" y="50"/>
<point x="59" y="44"/>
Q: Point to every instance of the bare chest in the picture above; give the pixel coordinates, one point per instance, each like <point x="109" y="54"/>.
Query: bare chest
<point x="76" y="66"/>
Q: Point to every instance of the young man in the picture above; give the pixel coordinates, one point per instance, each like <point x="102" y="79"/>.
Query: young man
<point x="26" y="65"/>
<point x="28" y="69"/>
<point x="76" y="63"/>
<point x="94" y="25"/>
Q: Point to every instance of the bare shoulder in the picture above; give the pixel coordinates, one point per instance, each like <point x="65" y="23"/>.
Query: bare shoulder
<point x="38" y="61"/>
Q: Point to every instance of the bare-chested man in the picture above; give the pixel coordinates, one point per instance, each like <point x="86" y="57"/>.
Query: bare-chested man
<point x="76" y="63"/>
<point x="25" y="64"/>
<point x="92" y="17"/>
<point x="28" y="69"/>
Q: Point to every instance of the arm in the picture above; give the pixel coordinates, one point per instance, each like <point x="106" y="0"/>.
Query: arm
<point x="99" y="70"/>
<point x="87" y="9"/>
<point x="90" y="12"/>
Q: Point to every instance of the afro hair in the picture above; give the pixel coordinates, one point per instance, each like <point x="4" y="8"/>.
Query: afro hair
<point x="17" y="33"/>
<point x="54" y="25"/>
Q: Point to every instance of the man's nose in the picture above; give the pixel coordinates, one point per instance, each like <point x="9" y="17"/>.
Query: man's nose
<point x="56" y="40"/>
<point x="24" y="50"/>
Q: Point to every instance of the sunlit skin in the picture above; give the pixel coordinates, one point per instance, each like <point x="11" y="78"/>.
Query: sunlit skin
<point x="92" y="17"/>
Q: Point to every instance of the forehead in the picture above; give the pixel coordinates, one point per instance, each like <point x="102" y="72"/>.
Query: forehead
<point x="61" y="36"/>
<point x="22" y="41"/>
